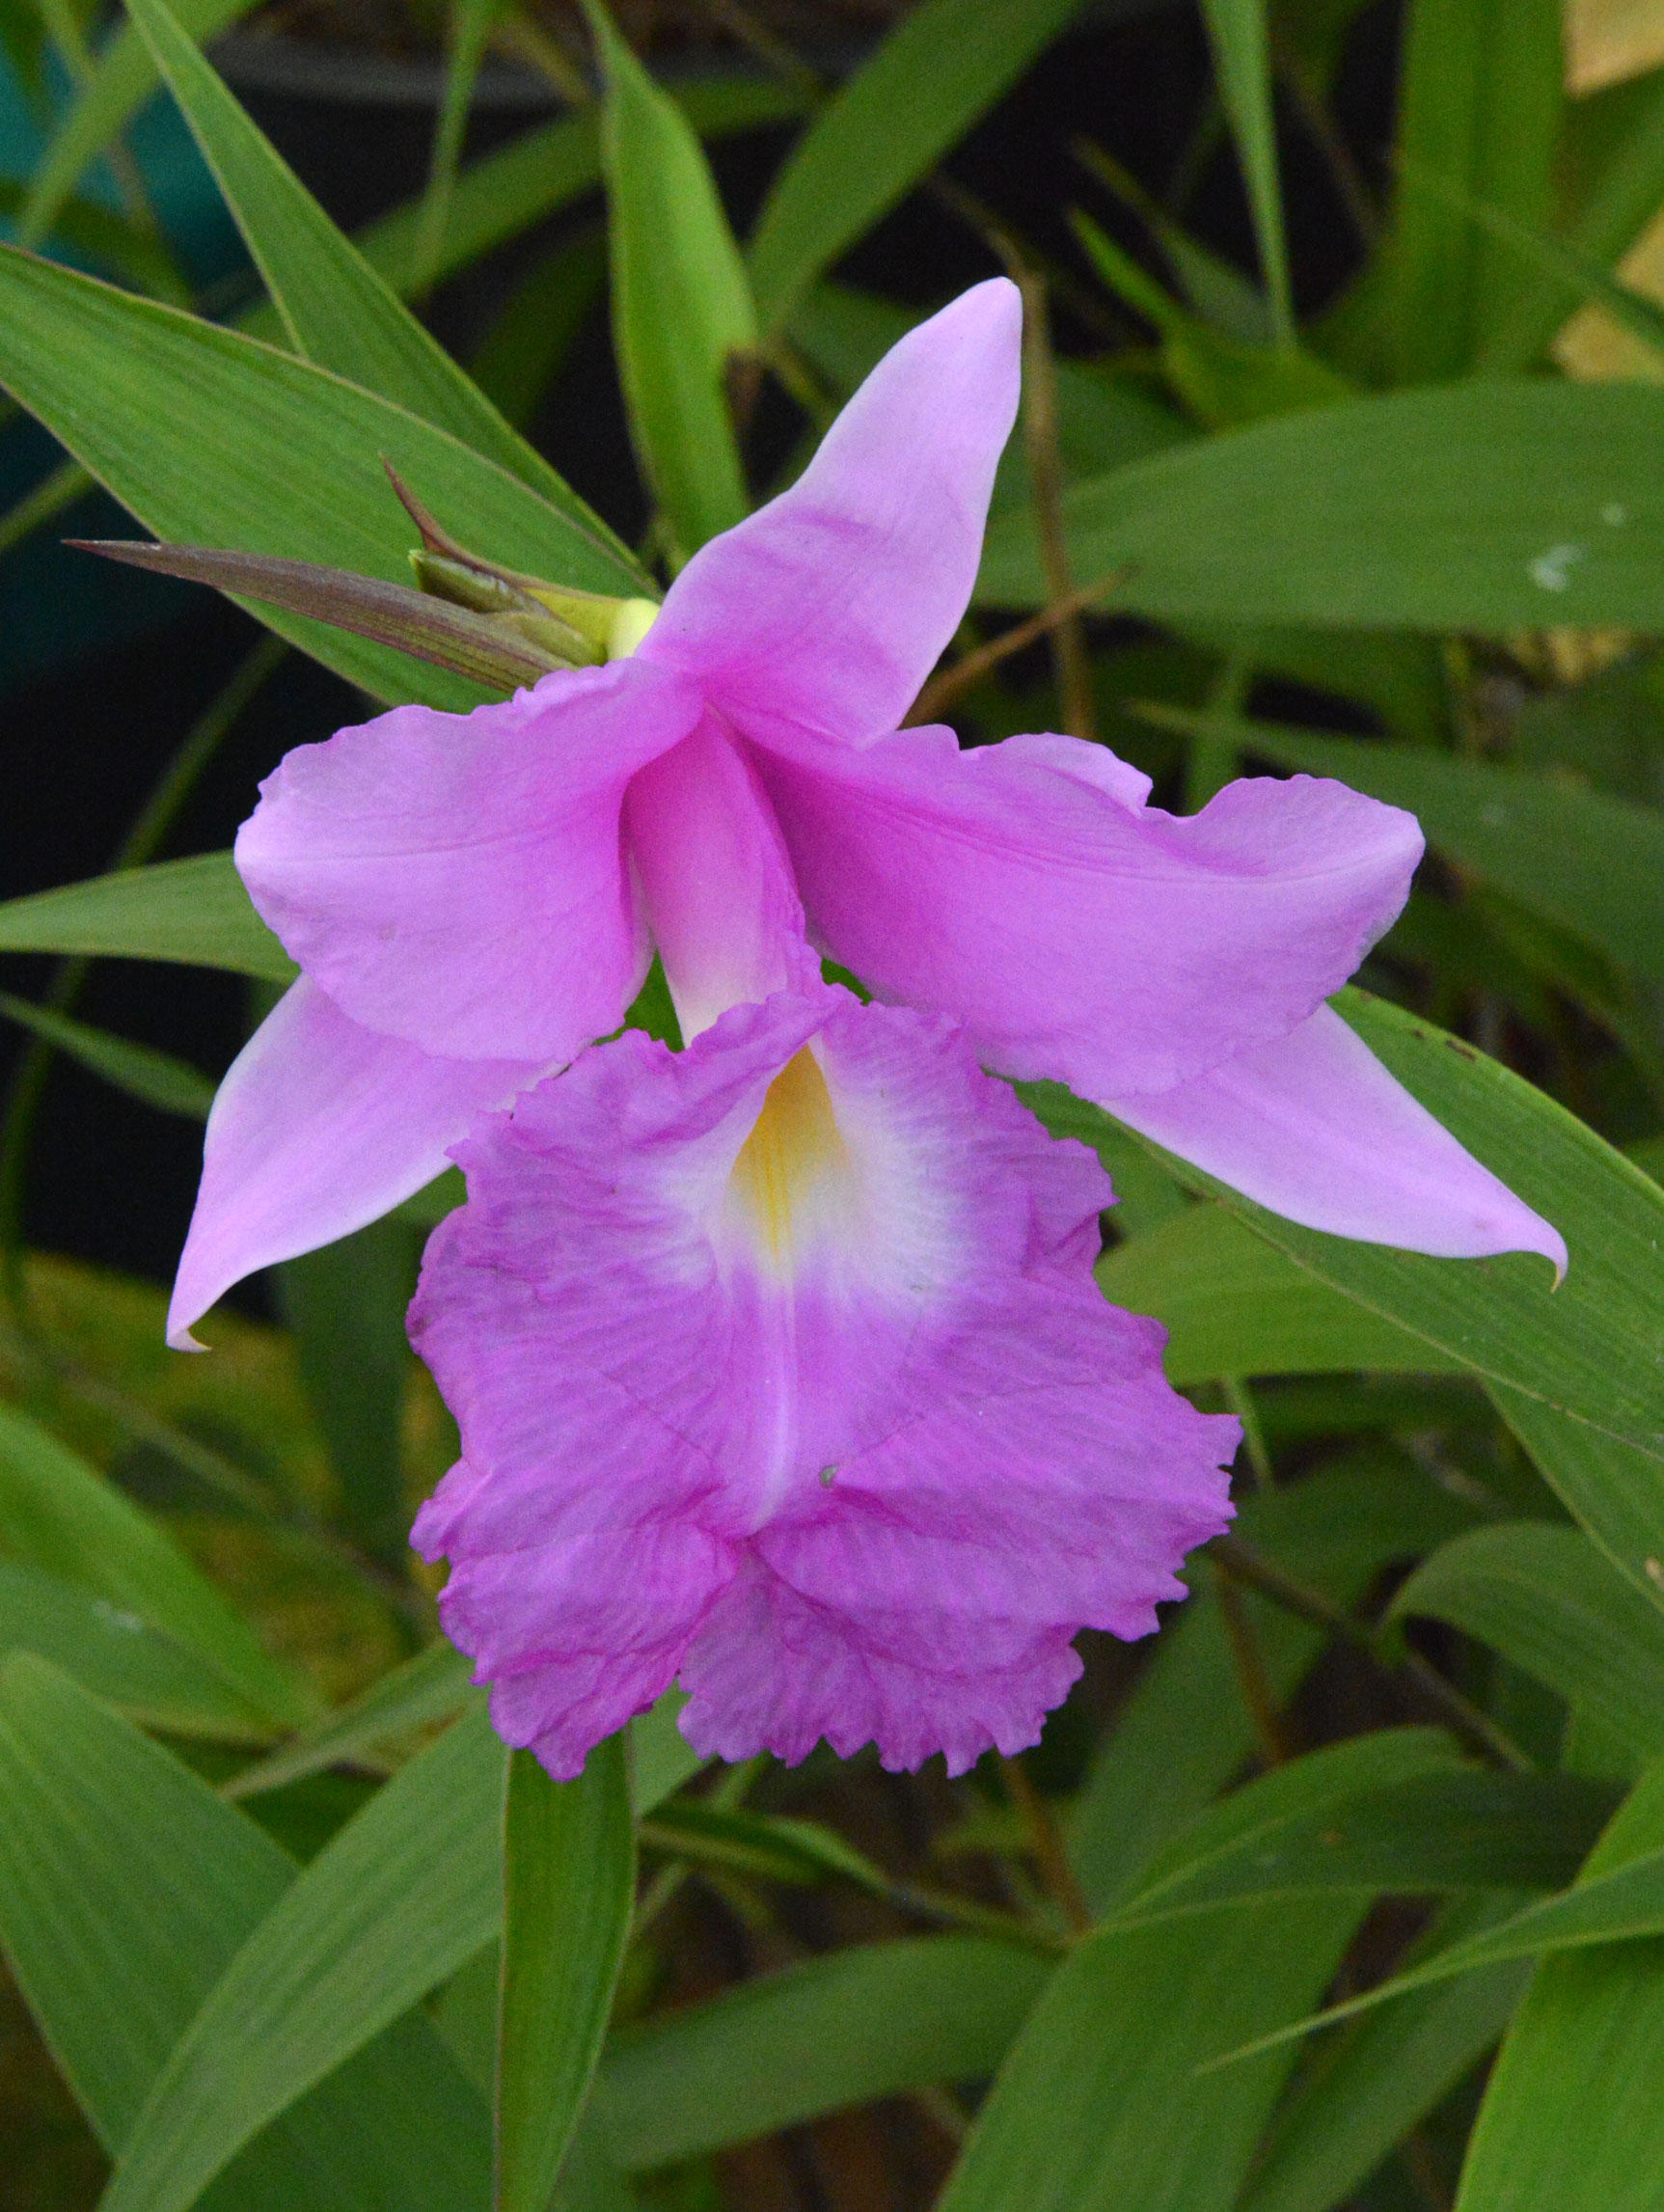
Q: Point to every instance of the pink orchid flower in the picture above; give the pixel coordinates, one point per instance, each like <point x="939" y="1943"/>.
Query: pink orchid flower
<point x="472" y="899"/>
<point x="779" y="1367"/>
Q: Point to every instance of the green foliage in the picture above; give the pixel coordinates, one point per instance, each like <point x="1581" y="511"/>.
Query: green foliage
<point x="1366" y="1776"/>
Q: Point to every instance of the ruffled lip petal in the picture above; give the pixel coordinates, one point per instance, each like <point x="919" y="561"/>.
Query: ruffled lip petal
<point x="1316" y="1129"/>
<point x="457" y="881"/>
<point x="320" y="1127"/>
<point x="830" y="607"/>
<point x="904" y="1445"/>
<point x="1076" y="933"/>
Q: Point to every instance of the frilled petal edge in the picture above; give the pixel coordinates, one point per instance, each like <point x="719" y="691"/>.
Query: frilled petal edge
<point x="778" y="1363"/>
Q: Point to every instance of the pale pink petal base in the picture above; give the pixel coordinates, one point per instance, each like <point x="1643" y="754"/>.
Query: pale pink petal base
<point x="320" y="1127"/>
<point x="1316" y="1129"/>
<point x="867" y="1490"/>
<point x="1028" y="890"/>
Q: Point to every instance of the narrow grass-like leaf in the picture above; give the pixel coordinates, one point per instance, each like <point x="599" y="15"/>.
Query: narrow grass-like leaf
<point x="58" y="1514"/>
<point x="1098" y="2105"/>
<point x="1396" y="2066"/>
<point x="1495" y="506"/>
<point x="1232" y="1304"/>
<point x="569" y="1883"/>
<point x="1186" y="1730"/>
<point x="1243" y="65"/>
<point x="193" y="910"/>
<point x="1587" y="2043"/>
<point x="944" y="64"/>
<point x="434" y="1686"/>
<point x="213" y="439"/>
<point x="338" y="311"/>
<point x="345" y="1303"/>
<point x="125" y="1890"/>
<point x="683" y="325"/>
<point x="1614" y="1490"/>
<point x="1549" y="1600"/>
<point x="405" y="1893"/>
<point x="124" y="79"/>
<point x="1619" y="1897"/>
<point x="872" y="2021"/>
<point x="159" y="1079"/>
<point x="118" y="1657"/>
<point x="1480" y="109"/>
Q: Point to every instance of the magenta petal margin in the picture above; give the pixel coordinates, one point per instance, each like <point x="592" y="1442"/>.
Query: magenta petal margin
<point x="779" y="1366"/>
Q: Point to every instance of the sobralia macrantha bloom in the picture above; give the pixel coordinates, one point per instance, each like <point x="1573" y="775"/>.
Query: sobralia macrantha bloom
<point x="471" y="899"/>
<point x="779" y="1368"/>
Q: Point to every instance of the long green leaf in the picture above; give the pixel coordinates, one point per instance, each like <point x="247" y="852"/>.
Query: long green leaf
<point x="1589" y="860"/>
<point x="872" y="2021"/>
<point x="119" y="1657"/>
<point x="338" y="313"/>
<point x="214" y="439"/>
<point x="683" y="324"/>
<point x="123" y="80"/>
<point x="404" y="1894"/>
<point x="1097" y="2107"/>
<point x="1619" y="1897"/>
<point x="504" y="193"/>
<point x="1494" y="505"/>
<point x="194" y="911"/>
<point x="433" y="1687"/>
<point x="1587" y="2043"/>
<point x="1243" y="64"/>
<point x="345" y="1303"/>
<point x="1233" y="1304"/>
<point x="569" y="1883"/>
<point x="942" y="65"/>
<point x="1548" y="1600"/>
<point x="1186" y="1730"/>
<point x="59" y="1516"/>
<point x="1480" y="111"/>
<point x="1614" y="1490"/>
<point x="125" y="1890"/>
<point x="1394" y="2068"/>
<point x="158" y="1078"/>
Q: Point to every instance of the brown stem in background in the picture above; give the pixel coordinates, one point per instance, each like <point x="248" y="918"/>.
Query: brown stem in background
<point x="1046" y="1846"/>
<point x="1252" y="1679"/>
<point x="941" y="689"/>
<point x="1478" y="1728"/>
<point x="1045" y="477"/>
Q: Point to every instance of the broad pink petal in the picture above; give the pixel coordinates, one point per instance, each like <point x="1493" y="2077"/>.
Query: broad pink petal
<point x="458" y="880"/>
<point x="1026" y="889"/>
<point x="831" y="606"/>
<point x="858" y="1465"/>
<point x="1316" y="1129"/>
<point x="717" y="891"/>
<point x="320" y="1127"/>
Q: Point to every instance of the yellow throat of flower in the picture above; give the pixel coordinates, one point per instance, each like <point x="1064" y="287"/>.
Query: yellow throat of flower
<point x="792" y="1159"/>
